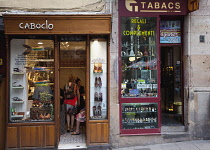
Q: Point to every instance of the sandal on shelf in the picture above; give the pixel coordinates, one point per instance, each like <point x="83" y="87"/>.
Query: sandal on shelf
<point x="75" y="133"/>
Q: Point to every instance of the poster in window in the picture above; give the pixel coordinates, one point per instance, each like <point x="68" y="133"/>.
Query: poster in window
<point x="170" y="32"/>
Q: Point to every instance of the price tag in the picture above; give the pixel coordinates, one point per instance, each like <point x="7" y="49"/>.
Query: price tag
<point x="141" y="86"/>
<point x="123" y="85"/>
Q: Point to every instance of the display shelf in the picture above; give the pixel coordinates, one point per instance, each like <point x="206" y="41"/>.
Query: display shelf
<point x="41" y="60"/>
<point x="18" y="73"/>
<point x="17" y="102"/>
<point x="72" y="67"/>
<point x="17" y="87"/>
<point x="17" y="116"/>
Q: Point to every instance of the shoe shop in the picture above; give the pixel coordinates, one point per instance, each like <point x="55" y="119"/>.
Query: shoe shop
<point x="57" y="80"/>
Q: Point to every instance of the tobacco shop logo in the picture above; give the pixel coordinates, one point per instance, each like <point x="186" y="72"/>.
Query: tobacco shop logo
<point x="33" y="26"/>
<point x="152" y="6"/>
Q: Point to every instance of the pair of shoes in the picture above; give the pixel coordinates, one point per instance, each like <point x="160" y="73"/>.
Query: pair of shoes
<point x="97" y="111"/>
<point x="68" y="130"/>
<point x="75" y="133"/>
<point x="98" y="96"/>
<point x="98" y="82"/>
<point x="97" y="68"/>
<point x="72" y="130"/>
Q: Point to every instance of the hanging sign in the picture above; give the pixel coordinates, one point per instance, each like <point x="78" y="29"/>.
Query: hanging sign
<point x="172" y="7"/>
<point x="193" y="5"/>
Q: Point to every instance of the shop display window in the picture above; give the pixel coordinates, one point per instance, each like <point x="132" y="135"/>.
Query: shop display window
<point x="139" y="115"/>
<point x="98" y="79"/>
<point x="139" y="57"/>
<point x="139" y="80"/>
<point x="31" y="80"/>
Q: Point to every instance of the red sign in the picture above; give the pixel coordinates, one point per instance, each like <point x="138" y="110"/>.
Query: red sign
<point x="154" y="7"/>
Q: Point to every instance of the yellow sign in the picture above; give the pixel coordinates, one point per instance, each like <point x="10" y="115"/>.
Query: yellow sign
<point x="193" y="5"/>
<point x="1" y="62"/>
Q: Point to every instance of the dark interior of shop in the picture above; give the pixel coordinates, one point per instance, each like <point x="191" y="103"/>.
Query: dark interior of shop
<point x="171" y="86"/>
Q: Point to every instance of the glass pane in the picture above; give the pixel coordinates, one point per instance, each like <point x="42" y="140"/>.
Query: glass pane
<point x="139" y="115"/>
<point x="98" y="80"/>
<point x="31" y="80"/>
<point x="139" y="57"/>
<point x="72" y="51"/>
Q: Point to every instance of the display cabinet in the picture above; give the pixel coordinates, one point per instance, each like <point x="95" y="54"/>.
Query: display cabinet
<point x="98" y="81"/>
<point x="31" y="81"/>
<point x="139" y="115"/>
<point x="139" y="76"/>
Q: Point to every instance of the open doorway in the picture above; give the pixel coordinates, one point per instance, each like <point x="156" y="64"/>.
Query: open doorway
<point x="72" y="67"/>
<point x="171" y="86"/>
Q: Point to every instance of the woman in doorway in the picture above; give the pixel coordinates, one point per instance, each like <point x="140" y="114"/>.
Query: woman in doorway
<point x="80" y="117"/>
<point x="82" y="94"/>
<point x="72" y="98"/>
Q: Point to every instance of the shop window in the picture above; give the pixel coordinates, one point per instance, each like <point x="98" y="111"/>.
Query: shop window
<point x="139" y="104"/>
<point x="139" y="57"/>
<point x="31" y="80"/>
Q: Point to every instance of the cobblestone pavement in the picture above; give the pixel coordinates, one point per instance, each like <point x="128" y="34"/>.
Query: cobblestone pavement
<point x="187" y="145"/>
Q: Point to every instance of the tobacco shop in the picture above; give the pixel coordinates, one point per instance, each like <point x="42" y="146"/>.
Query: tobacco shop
<point x="47" y="55"/>
<point x="150" y="67"/>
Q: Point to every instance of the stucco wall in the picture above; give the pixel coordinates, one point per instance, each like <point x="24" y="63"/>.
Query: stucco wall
<point x="46" y="6"/>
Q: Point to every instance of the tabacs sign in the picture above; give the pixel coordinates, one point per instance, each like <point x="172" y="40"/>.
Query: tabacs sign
<point x="132" y="7"/>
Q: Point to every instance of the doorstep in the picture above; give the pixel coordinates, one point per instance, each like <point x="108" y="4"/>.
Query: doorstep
<point x="175" y="133"/>
<point x="166" y="129"/>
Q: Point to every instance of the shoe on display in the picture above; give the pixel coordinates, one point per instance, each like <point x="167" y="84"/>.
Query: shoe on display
<point x="94" y="111"/>
<point x="100" y="98"/>
<point x="99" y="110"/>
<point x="99" y="82"/>
<point x="96" y="82"/>
<point x="95" y="69"/>
<point x="96" y="96"/>
<point x="100" y="70"/>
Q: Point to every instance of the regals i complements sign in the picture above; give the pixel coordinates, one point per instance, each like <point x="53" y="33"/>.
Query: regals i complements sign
<point x="33" y="26"/>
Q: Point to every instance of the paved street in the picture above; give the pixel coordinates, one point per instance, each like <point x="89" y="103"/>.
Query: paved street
<point x="188" y="145"/>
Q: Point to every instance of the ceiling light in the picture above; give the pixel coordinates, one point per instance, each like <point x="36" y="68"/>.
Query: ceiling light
<point x="40" y="42"/>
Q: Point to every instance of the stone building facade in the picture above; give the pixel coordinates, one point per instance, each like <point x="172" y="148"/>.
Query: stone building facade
<point x="196" y="67"/>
